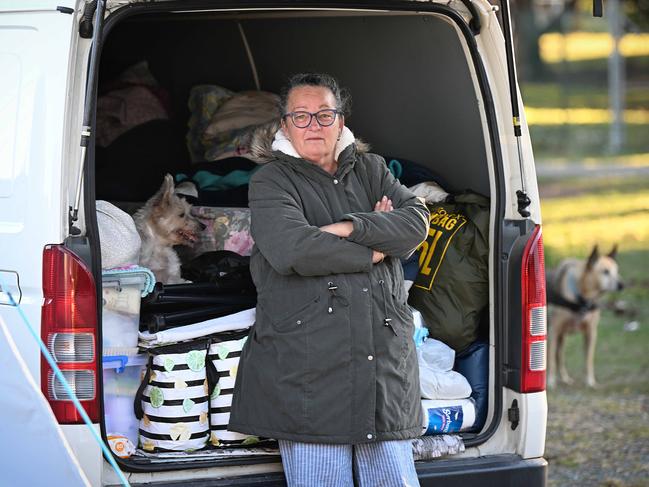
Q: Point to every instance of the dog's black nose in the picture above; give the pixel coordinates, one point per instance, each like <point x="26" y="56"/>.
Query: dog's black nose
<point x="620" y="285"/>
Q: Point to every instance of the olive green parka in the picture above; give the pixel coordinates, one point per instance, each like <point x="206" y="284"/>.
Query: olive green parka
<point x="331" y="357"/>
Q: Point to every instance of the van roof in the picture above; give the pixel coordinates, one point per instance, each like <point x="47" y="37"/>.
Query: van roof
<point x="458" y="5"/>
<point x="35" y="5"/>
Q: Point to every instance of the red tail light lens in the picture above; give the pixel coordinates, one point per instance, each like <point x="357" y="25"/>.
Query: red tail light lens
<point x="69" y="328"/>
<point x="534" y="317"/>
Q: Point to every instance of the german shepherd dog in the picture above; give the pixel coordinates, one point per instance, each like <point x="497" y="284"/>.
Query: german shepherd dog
<point x="573" y="292"/>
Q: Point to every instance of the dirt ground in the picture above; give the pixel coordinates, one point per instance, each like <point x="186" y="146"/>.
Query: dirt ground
<point x="597" y="440"/>
<point x="600" y="437"/>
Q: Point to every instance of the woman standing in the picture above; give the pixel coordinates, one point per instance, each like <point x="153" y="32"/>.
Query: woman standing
<point x="330" y="368"/>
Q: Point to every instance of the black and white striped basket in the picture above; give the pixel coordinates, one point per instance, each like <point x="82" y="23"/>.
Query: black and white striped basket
<point x="173" y="400"/>
<point x="224" y="353"/>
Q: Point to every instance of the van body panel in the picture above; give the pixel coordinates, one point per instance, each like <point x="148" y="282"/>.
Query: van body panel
<point x="86" y="450"/>
<point x="533" y="423"/>
<point x="34" y="5"/>
<point x="34" y="54"/>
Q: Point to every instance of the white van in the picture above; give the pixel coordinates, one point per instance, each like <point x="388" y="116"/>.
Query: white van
<point x="430" y="82"/>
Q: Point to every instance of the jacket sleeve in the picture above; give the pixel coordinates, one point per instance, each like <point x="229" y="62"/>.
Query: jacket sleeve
<point x="398" y="232"/>
<point x="290" y="244"/>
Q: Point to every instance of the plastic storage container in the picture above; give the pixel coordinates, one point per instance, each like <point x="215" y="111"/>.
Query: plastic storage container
<point x="122" y="377"/>
<point x="121" y="310"/>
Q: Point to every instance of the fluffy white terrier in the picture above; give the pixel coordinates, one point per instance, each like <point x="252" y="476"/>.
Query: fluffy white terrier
<point x="164" y="221"/>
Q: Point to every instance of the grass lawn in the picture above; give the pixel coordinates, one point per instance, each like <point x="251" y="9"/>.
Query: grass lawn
<point x="600" y="437"/>
<point x="576" y="142"/>
<point x="581" y="96"/>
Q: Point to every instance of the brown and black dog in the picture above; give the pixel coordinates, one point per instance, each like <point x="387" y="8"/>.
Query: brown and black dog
<point x="573" y="292"/>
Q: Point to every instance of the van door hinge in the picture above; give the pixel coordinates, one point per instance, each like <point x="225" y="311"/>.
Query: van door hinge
<point x="513" y="414"/>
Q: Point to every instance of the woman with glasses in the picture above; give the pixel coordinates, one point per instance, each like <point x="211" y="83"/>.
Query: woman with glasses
<point x="329" y="368"/>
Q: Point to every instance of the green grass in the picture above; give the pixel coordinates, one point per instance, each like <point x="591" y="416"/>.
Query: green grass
<point x="555" y="95"/>
<point x="607" y="212"/>
<point x="601" y="215"/>
<point x="600" y="436"/>
<point x="593" y="186"/>
<point x="594" y="70"/>
<point x="608" y="215"/>
<point x="579" y="141"/>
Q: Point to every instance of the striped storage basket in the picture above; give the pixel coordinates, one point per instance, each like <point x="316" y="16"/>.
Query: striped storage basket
<point x="224" y="353"/>
<point x="172" y="402"/>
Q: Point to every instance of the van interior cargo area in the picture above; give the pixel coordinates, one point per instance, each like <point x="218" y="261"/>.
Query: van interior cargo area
<point x="413" y="88"/>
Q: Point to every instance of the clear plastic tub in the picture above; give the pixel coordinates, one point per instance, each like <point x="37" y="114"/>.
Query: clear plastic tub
<point x="121" y="310"/>
<point x="122" y="377"/>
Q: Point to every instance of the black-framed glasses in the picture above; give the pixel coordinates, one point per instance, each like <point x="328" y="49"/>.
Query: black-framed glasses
<point x="302" y="119"/>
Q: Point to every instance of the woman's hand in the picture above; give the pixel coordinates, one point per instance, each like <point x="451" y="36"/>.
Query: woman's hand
<point x="341" y="229"/>
<point x="384" y="204"/>
<point x="344" y="229"/>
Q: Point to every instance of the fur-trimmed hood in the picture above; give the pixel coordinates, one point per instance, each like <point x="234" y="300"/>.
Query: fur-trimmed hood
<point x="269" y="138"/>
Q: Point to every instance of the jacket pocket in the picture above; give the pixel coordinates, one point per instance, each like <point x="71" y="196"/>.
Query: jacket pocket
<point x="283" y="321"/>
<point x="403" y="324"/>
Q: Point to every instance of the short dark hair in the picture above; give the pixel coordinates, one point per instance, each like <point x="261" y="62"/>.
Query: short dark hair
<point x="343" y="99"/>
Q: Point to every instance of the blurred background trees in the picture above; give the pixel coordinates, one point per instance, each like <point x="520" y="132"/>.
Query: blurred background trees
<point x="584" y="80"/>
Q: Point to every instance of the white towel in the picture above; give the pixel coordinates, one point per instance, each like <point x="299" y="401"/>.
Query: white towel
<point x="236" y="321"/>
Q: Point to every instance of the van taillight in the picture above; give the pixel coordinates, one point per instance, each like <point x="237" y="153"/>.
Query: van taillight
<point x="534" y="317"/>
<point x="69" y="329"/>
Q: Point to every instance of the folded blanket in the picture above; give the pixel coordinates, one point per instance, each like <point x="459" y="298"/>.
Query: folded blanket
<point x="236" y="321"/>
<point x="133" y="273"/>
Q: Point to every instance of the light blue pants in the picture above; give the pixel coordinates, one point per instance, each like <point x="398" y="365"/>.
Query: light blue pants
<point x="380" y="464"/>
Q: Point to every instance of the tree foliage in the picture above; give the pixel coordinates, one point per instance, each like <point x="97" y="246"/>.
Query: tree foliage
<point x="637" y="11"/>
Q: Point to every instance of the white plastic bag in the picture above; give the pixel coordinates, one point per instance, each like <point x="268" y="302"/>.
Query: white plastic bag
<point x="436" y="355"/>
<point x="436" y="384"/>
<point x="436" y="378"/>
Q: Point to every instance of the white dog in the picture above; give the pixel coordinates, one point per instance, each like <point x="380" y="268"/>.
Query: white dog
<point x="164" y="221"/>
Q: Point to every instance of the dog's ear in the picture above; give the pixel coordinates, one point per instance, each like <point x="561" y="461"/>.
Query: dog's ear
<point x="161" y="198"/>
<point x="167" y="189"/>
<point x="592" y="258"/>
<point x="613" y="253"/>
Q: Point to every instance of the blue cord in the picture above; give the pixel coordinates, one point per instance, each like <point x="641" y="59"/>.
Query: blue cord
<point x="67" y="387"/>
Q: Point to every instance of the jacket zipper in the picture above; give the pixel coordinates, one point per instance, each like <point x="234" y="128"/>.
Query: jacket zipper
<point x="332" y="295"/>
